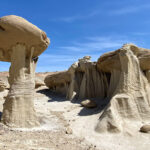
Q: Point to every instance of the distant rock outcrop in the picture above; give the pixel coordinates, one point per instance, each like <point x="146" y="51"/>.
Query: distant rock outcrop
<point x="58" y="82"/>
<point x="121" y="78"/>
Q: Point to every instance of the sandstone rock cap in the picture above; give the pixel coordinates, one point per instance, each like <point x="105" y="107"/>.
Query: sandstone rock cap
<point x="110" y="60"/>
<point x="15" y="29"/>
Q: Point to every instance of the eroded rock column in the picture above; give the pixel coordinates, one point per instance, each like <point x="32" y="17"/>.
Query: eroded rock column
<point x="18" y="108"/>
<point x="129" y="105"/>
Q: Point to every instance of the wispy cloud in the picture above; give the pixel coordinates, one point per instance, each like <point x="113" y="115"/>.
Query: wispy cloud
<point x="95" y="44"/>
<point x="141" y="33"/>
<point x="113" y="11"/>
<point x="77" y="17"/>
<point x="89" y="46"/>
<point x="129" y="9"/>
<point x="57" y="62"/>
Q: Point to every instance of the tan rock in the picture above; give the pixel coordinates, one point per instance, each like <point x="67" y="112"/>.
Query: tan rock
<point x="120" y="79"/>
<point x="110" y="61"/>
<point x="20" y="43"/>
<point x="15" y="29"/>
<point x="3" y="86"/>
<point x="58" y="82"/>
<point x="81" y="80"/>
<point x="145" y="128"/>
<point x="68" y="130"/>
<point x="89" y="103"/>
<point x="38" y="83"/>
<point x="129" y="98"/>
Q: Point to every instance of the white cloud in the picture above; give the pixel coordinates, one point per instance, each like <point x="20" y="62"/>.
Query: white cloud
<point x="96" y="44"/>
<point x="90" y="46"/>
<point x="141" y="33"/>
<point x="117" y="11"/>
<point x="129" y="9"/>
<point x="70" y="19"/>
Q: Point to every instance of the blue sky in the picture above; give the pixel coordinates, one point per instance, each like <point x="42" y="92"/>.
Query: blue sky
<point x="82" y="27"/>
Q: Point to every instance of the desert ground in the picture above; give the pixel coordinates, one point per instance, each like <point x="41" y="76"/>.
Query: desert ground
<point x="54" y="132"/>
<point x="65" y="125"/>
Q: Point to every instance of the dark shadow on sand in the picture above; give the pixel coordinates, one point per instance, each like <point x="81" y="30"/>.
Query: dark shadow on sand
<point x="101" y="103"/>
<point x="0" y="115"/>
<point x="52" y="95"/>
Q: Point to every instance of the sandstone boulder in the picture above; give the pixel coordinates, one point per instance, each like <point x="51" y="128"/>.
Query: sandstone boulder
<point x="38" y="83"/>
<point x="3" y="86"/>
<point x="145" y="128"/>
<point x="58" y="82"/>
<point x="110" y="61"/>
<point x="89" y="103"/>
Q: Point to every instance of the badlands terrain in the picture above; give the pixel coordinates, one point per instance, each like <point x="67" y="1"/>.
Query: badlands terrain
<point x="56" y="116"/>
<point x="65" y="125"/>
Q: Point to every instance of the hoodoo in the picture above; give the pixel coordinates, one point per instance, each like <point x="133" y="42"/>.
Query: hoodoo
<point x="20" y="43"/>
<point x="119" y="79"/>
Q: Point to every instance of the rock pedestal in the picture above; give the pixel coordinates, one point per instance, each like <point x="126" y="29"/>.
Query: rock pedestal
<point x="19" y="107"/>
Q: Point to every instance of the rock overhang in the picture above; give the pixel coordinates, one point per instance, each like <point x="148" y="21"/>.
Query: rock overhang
<point x="14" y="30"/>
<point x="110" y="60"/>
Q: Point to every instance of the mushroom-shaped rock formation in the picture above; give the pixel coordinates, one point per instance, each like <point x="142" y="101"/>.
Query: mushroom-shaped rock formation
<point x="20" y="43"/>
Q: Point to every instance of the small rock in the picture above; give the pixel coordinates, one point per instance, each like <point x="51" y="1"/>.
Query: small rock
<point x="38" y="83"/>
<point x="145" y="128"/>
<point x="3" y="85"/>
<point x="68" y="130"/>
<point x="89" y="103"/>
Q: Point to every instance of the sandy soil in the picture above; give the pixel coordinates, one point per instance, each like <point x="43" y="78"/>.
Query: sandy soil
<point x="53" y="134"/>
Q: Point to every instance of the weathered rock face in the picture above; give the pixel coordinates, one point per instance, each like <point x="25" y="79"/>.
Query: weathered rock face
<point x="20" y="43"/>
<point x="15" y="29"/>
<point x="86" y="81"/>
<point x="129" y="98"/>
<point x="145" y="128"/>
<point x="122" y="79"/>
<point x="38" y="83"/>
<point x="82" y="80"/>
<point x="58" y="82"/>
<point x="110" y="61"/>
<point x="3" y="85"/>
